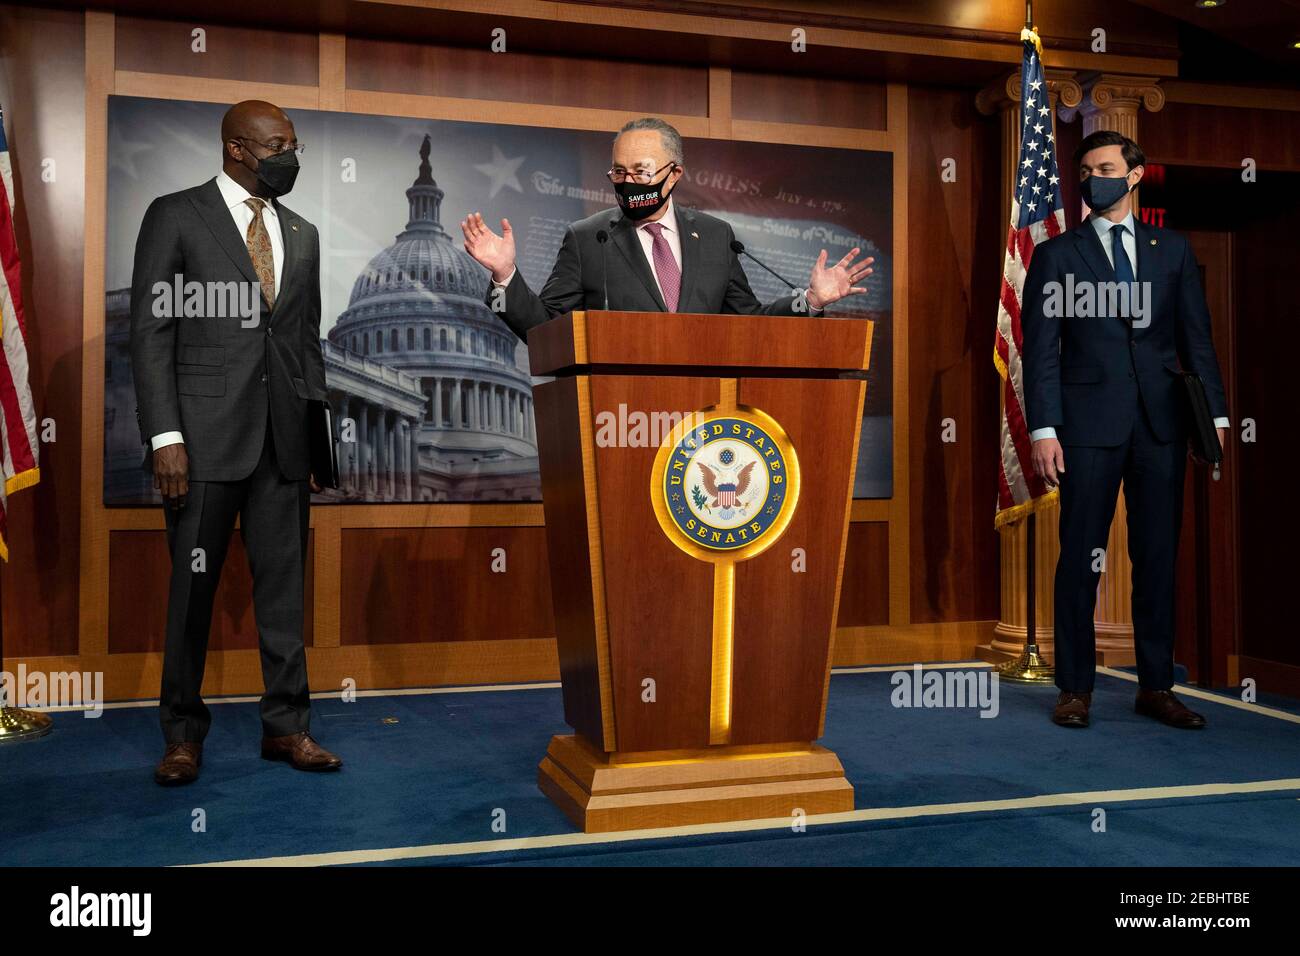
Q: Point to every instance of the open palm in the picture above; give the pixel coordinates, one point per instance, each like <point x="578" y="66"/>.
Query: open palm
<point x="493" y="252"/>
<point x="830" y="285"/>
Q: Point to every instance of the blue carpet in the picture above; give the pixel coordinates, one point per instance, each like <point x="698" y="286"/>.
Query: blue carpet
<point x="85" y="795"/>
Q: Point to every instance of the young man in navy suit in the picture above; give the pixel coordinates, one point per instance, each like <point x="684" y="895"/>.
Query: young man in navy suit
<point x="1112" y="311"/>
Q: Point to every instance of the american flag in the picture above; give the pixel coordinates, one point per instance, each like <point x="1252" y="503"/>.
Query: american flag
<point x="18" y="469"/>
<point x="1036" y="215"/>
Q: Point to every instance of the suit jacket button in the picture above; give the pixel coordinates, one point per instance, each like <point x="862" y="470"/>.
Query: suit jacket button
<point x="264" y="376"/>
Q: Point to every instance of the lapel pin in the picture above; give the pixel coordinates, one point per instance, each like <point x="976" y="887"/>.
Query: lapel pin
<point x="1153" y="242"/>
<point x="695" y="235"/>
<point x="294" y="227"/>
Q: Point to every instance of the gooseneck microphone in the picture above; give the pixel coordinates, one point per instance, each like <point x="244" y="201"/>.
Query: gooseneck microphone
<point x="738" y="248"/>
<point x="603" y="238"/>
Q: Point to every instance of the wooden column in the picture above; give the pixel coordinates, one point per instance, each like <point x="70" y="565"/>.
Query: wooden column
<point x="1003" y="99"/>
<point x="1112" y="102"/>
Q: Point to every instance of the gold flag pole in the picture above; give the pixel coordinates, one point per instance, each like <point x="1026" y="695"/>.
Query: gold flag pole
<point x="1030" y="667"/>
<point x="16" y="723"/>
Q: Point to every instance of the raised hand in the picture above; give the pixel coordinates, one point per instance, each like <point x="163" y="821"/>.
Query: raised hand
<point x="830" y="285"/>
<point x="495" y="253"/>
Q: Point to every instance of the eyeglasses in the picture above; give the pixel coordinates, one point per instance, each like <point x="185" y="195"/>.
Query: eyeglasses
<point x="620" y="175"/>
<point x="277" y="148"/>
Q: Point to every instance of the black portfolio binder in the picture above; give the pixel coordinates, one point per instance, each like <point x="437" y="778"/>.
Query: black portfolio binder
<point x="324" y="447"/>
<point x="1204" y="436"/>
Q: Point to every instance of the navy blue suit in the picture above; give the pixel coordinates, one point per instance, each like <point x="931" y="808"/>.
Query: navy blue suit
<point x="1109" y="388"/>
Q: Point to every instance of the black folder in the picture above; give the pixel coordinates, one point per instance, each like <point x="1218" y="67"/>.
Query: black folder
<point x="324" y="447"/>
<point x="1204" y="436"/>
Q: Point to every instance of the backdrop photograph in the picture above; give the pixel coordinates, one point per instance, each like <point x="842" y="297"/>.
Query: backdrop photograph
<point x="438" y="386"/>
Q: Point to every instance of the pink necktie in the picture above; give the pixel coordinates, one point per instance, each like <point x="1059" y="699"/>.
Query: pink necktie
<point x="669" y="275"/>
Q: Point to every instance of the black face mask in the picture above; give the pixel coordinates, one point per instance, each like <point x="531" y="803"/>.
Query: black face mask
<point x="639" y="200"/>
<point x="277" y="172"/>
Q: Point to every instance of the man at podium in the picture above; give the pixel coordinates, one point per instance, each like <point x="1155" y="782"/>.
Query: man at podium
<point x="664" y="258"/>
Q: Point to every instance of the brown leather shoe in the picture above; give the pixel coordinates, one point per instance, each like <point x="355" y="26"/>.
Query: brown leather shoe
<point x="180" y="764"/>
<point x="300" y="751"/>
<point x="1072" y="709"/>
<point x="1168" y="709"/>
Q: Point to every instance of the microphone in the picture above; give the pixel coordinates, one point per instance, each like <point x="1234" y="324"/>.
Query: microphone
<point x="603" y="238"/>
<point x="738" y="248"/>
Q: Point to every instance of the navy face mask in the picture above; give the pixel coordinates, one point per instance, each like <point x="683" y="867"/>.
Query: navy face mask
<point x="1102" y="192"/>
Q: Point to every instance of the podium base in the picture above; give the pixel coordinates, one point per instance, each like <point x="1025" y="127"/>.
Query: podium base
<point x="602" y="792"/>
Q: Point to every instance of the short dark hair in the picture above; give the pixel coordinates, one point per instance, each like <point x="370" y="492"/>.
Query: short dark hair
<point x="1131" y="151"/>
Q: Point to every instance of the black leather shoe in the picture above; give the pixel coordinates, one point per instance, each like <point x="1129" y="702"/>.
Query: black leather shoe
<point x="1072" y="709"/>
<point x="180" y="764"/>
<point x="1168" y="709"/>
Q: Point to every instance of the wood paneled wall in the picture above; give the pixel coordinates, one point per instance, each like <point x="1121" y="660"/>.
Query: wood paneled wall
<point x="1201" y="134"/>
<point x="44" y="99"/>
<point x="404" y="594"/>
<point x="955" y="243"/>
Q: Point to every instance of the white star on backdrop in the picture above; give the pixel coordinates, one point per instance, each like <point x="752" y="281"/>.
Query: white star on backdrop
<point x="502" y="172"/>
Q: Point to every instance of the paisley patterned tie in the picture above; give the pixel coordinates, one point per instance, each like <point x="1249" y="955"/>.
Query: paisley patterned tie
<point x="259" y="250"/>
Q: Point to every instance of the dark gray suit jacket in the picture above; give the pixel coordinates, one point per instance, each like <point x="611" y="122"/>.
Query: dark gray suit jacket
<point x="209" y="377"/>
<point x="712" y="279"/>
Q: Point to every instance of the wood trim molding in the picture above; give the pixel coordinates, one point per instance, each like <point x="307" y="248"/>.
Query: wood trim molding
<point x="450" y="515"/>
<point x="333" y="71"/>
<point x="1271" y="677"/>
<point x="843" y="137"/>
<point x="870" y="509"/>
<point x="764" y="26"/>
<point x="92" y="636"/>
<point x="720" y="124"/>
<point x="137" y="676"/>
<point x="900" y="528"/>
<point x="207" y="89"/>
<point x="888" y="644"/>
<point x="379" y="103"/>
<point x="1236" y="97"/>
<point x="327" y="555"/>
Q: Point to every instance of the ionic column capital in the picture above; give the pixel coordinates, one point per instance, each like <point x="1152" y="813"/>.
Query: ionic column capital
<point x="1112" y="101"/>
<point x="1004" y="94"/>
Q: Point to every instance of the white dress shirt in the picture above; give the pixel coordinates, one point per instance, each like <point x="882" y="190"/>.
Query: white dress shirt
<point x="1103" y="226"/>
<point x="235" y="197"/>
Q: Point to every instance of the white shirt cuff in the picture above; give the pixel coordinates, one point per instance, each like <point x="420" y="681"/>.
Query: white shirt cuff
<point x="164" y="439"/>
<point x="502" y="285"/>
<point x="1222" y="423"/>
<point x="1038" y="434"/>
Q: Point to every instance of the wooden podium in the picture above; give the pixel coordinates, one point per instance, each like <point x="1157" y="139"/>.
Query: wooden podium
<point x="697" y="475"/>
